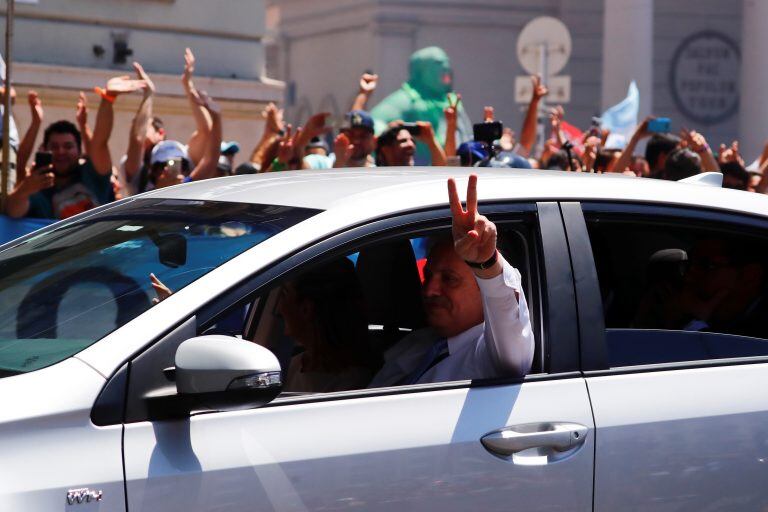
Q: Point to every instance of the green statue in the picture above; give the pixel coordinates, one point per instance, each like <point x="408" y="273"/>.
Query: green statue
<point x="423" y="98"/>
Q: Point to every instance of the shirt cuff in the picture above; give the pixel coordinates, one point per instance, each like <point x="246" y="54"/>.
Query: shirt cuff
<point x="500" y="285"/>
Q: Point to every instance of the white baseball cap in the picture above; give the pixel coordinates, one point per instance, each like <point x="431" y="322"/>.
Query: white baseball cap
<point x="168" y="150"/>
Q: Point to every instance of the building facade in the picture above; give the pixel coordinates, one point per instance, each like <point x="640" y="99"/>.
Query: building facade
<point x="690" y="58"/>
<point x="61" y="47"/>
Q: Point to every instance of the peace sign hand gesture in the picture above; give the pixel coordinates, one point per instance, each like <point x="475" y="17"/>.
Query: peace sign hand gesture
<point x="474" y="236"/>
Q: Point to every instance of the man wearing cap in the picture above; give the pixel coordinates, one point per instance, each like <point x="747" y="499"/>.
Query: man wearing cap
<point x="229" y="148"/>
<point x="170" y="163"/>
<point x="72" y="183"/>
<point x="355" y="145"/>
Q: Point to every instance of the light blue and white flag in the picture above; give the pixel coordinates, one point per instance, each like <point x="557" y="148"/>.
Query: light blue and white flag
<point x="621" y="119"/>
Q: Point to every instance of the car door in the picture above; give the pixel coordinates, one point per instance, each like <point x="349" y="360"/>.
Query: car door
<point x="681" y="414"/>
<point x="412" y="447"/>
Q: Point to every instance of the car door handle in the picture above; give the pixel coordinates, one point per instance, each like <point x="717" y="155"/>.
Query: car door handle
<point x="559" y="437"/>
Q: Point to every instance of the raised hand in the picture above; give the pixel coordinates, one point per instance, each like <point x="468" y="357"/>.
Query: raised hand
<point x="474" y="236"/>
<point x="142" y="75"/>
<point x="539" y="90"/>
<point x="81" y="116"/>
<point x="452" y="110"/>
<point x="368" y="83"/>
<point x="189" y="67"/>
<point x="123" y="85"/>
<point x="286" y="148"/>
<point x="342" y="148"/>
<point x="273" y="118"/>
<point x="35" y="106"/>
<point x="730" y="154"/>
<point x="162" y="291"/>
<point x="488" y="114"/>
<point x="315" y="126"/>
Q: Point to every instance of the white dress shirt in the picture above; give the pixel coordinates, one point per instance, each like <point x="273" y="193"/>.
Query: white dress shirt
<point x="501" y="346"/>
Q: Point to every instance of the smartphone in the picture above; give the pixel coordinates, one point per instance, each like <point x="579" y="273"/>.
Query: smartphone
<point x="43" y="159"/>
<point x="412" y="128"/>
<point x="659" y="125"/>
<point x="487" y="132"/>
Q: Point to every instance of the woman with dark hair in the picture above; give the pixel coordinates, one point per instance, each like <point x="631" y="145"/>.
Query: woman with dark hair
<point x="324" y="313"/>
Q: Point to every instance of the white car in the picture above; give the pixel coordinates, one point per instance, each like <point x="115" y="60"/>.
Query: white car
<point x="648" y="389"/>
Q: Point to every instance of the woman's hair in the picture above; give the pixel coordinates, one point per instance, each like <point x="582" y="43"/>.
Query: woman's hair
<point x="340" y="313"/>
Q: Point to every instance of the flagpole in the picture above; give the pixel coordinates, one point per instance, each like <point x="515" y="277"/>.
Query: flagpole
<point x="5" y="172"/>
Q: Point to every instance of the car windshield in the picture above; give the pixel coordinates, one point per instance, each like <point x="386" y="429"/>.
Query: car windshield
<point x="72" y="285"/>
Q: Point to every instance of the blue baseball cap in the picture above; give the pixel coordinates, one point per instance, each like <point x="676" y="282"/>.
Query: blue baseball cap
<point x="471" y="152"/>
<point x="358" y="119"/>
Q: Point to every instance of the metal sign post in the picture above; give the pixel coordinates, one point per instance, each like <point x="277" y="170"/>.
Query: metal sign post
<point x="5" y="172"/>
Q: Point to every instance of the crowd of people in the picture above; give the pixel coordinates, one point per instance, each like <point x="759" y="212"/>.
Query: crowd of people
<point x="79" y="173"/>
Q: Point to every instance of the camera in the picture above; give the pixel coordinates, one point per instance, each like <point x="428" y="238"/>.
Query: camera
<point x="488" y="132"/>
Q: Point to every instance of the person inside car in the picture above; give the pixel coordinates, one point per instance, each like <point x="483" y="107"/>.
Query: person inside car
<point x="479" y="325"/>
<point x="323" y="312"/>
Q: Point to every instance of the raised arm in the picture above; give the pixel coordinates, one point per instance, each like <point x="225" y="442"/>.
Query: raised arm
<point x="273" y="128"/>
<point x="27" y="144"/>
<point x="698" y="144"/>
<point x="451" y="123"/>
<point x="641" y="132"/>
<point x="100" y="157"/>
<point x="203" y="122"/>
<point x="427" y="136"/>
<point x="528" y="133"/>
<point x="206" y="167"/>
<point x="81" y="116"/>
<point x="367" y="88"/>
<point x="134" y="155"/>
<point x="508" y="336"/>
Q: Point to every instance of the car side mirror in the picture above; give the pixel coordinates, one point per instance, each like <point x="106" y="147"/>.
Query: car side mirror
<point x="225" y="373"/>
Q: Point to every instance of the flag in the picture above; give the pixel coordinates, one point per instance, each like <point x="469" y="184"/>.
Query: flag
<point x="621" y="119"/>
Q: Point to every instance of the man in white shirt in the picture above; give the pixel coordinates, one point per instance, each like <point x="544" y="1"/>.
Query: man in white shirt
<point x="478" y="316"/>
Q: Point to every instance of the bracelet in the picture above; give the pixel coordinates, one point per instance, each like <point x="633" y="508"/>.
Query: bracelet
<point x="104" y="94"/>
<point x="485" y="264"/>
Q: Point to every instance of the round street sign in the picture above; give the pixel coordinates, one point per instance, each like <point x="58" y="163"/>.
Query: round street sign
<point x="548" y="31"/>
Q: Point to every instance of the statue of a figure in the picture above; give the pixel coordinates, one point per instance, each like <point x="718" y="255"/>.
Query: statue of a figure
<point x="423" y="98"/>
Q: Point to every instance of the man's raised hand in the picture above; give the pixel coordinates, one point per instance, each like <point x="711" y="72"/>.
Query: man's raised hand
<point x="35" y="106"/>
<point x="474" y="236"/>
<point x="368" y="83"/>
<point x="123" y="85"/>
<point x="189" y="68"/>
<point x="142" y="75"/>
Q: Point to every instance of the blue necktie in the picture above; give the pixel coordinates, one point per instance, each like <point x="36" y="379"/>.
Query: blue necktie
<point x="434" y="355"/>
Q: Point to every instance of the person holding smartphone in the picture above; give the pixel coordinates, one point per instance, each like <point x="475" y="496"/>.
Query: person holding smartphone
<point x="67" y="182"/>
<point x="397" y="145"/>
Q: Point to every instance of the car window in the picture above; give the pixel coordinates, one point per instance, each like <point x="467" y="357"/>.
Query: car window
<point x="679" y="290"/>
<point x="359" y="309"/>
<point x="71" y="285"/>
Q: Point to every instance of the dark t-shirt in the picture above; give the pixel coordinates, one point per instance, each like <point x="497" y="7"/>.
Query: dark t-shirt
<point x="88" y="189"/>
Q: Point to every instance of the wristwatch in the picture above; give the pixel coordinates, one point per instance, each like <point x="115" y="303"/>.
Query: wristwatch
<point x="485" y="264"/>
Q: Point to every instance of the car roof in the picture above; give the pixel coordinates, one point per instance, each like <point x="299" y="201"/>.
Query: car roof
<point x="365" y="193"/>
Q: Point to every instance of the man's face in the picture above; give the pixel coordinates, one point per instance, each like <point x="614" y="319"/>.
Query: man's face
<point x="400" y="153"/>
<point x="65" y="152"/>
<point x="450" y="293"/>
<point x="363" y="142"/>
<point x="710" y="269"/>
